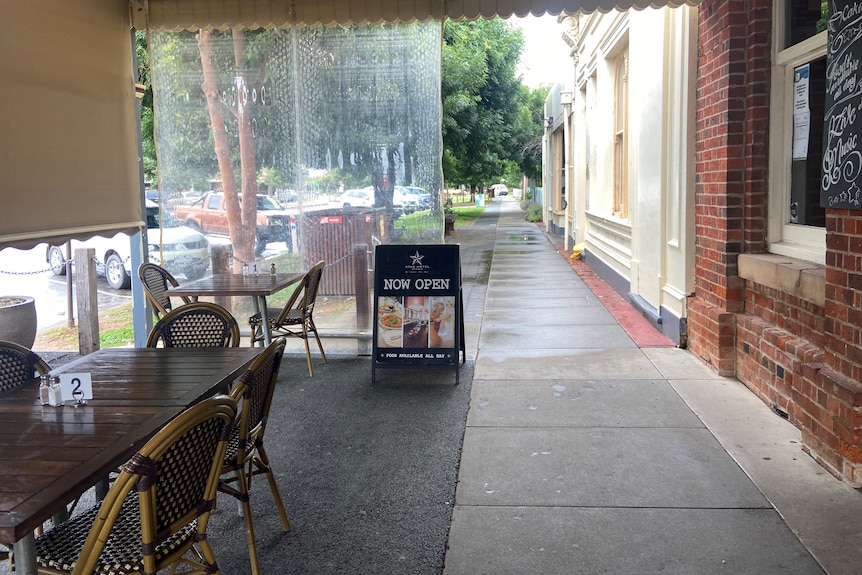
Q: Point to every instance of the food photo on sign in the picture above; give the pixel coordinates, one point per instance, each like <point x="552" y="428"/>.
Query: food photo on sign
<point x="390" y="320"/>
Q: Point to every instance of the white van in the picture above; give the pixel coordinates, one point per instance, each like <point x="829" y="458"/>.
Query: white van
<point x="185" y="251"/>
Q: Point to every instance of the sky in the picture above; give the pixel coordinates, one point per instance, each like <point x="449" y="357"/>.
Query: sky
<point x="545" y="59"/>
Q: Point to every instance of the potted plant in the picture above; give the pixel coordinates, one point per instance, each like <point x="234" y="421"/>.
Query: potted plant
<point x="18" y="319"/>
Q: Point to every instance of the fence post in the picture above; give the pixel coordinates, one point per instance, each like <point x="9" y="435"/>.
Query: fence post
<point x="88" y="301"/>
<point x="361" y="268"/>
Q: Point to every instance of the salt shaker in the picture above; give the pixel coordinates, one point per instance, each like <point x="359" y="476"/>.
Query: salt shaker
<point x="45" y="389"/>
<point x="55" y="396"/>
<point x="244" y="269"/>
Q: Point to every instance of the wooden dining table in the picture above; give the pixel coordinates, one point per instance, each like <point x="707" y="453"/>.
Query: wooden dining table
<point x="51" y="455"/>
<point x="257" y="286"/>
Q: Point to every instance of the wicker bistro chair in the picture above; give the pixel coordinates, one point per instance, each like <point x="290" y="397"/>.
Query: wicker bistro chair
<point x="156" y="513"/>
<point x="196" y="324"/>
<point x="18" y="365"/>
<point x="245" y="455"/>
<point x="156" y="280"/>
<point x="295" y="319"/>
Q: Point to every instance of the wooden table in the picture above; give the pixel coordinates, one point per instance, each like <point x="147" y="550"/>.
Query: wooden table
<point x="257" y="286"/>
<point x="51" y="455"/>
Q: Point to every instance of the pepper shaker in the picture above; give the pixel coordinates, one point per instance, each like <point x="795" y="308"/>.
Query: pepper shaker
<point x="45" y="389"/>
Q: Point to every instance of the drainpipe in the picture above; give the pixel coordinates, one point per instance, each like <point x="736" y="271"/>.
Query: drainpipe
<point x="566" y="101"/>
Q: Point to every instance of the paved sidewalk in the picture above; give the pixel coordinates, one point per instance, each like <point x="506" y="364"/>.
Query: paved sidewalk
<point x="586" y="453"/>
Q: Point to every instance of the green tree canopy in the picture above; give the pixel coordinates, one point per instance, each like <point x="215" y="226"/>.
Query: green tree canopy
<point x="489" y="118"/>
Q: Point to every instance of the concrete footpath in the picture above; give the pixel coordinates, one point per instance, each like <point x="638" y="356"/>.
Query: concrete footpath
<point x="589" y="451"/>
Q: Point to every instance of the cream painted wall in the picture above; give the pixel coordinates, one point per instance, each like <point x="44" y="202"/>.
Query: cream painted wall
<point x="652" y="247"/>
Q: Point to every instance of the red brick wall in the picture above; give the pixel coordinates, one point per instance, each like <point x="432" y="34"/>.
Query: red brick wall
<point x="844" y="292"/>
<point x="802" y="359"/>
<point x="731" y="158"/>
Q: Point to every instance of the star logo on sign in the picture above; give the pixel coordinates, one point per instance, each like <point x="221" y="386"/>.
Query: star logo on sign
<point x="417" y="259"/>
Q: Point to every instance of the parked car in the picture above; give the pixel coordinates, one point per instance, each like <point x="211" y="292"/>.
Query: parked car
<point x="423" y="198"/>
<point x="358" y="198"/>
<point x="500" y="190"/>
<point x="408" y="202"/>
<point x="365" y="198"/>
<point x="191" y="196"/>
<point x="209" y="215"/>
<point x="185" y="251"/>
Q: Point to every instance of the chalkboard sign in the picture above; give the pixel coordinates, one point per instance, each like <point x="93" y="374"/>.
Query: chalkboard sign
<point x="419" y="319"/>
<point x="842" y="148"/>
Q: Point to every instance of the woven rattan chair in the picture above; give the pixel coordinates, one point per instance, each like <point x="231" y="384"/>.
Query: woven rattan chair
<point x="19" y="365"/>
<point x="156" y="513"/>
<point x="196" y="324"/>
<point x="295" y="319"/>
<point x="156" y="280"/>
<point x="245" y="455"/>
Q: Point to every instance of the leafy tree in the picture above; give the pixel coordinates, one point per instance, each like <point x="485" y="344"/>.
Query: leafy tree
<point x="148" y="141"/>
<point x="489" y="117"/>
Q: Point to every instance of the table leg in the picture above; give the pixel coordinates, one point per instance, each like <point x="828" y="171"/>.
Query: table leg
<point x="260" y="304"/>
<point x="25" y="555"/>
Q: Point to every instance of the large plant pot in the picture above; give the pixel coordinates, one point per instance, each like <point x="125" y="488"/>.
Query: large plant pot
<point x="18" y="319"/>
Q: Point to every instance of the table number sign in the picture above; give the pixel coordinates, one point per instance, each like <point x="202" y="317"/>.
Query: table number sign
<point x="77" y="387"/>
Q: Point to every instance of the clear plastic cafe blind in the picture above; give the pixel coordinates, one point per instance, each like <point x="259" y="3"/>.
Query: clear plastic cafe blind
<point x="331" y="112"/>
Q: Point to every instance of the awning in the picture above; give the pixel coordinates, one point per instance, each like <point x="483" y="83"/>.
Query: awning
<point x="68" y="149"/>
<point x="196" y="14"/>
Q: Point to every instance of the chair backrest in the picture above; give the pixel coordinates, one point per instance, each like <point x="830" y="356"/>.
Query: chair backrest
<point x="175" y="477"/>
<point x="196" y="324"/>
<point x="156" y="280"/>
<point x="253" y="392"/>
<point x="18" y="365"/>
<point x="305" y="294"/>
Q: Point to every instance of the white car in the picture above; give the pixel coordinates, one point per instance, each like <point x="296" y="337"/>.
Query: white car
<point x="365" y="198"/>
<point x="185" y="251"/>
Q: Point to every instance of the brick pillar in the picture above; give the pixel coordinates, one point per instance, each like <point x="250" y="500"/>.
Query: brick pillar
<point x="731" y="161"/>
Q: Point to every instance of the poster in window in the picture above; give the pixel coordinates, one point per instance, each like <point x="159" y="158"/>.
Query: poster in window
<point x="801" y="112"/>
<point x="417" y="290"/>
<point x="842" y="158"/>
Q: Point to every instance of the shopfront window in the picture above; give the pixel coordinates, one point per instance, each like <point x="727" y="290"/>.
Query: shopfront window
<point x="796" y="220"/>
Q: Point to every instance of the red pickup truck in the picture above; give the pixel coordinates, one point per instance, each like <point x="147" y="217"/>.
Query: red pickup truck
<point x="209" y="215"/>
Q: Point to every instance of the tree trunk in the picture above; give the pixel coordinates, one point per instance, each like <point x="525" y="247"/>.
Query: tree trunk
<point x="247" y="159"/>
<point x="241" y="236"/>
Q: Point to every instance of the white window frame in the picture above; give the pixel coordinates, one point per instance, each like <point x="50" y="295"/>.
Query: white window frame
<point x="793" y="240"/>
<point x="621" y="134"/>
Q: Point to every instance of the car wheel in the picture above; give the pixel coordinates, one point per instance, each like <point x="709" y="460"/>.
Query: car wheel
<point x="195" y="273"/>
<point x="57" y="261"/>
<point x="259" y="246"/>
<point x="115" y="273"/>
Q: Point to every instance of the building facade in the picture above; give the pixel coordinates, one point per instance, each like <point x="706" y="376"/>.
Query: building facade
<point x="620" y="175"/>
<point x="721" y="157"/>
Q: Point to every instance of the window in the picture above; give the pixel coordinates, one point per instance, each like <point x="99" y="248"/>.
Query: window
<point x="620" y="136"/>
<point x="796" y="220"/>
<point x="559" y="164"/>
